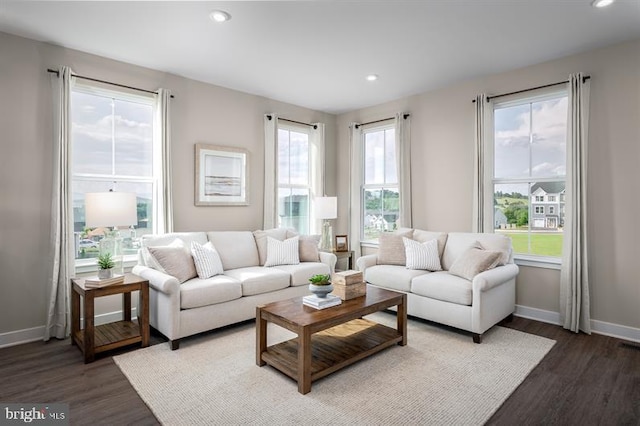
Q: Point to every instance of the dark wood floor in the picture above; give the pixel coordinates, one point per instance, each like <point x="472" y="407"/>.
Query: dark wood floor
<point x="584" y="380"/>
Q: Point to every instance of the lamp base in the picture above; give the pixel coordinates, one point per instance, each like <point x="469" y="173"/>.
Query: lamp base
<point x="113" y="244"/>
<point x="326" y="241"/>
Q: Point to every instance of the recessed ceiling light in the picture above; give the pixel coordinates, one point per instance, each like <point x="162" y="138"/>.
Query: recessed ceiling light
<point x="219" y="16"/>
<point x="372" y="77"/>
<point x="601" y="3"/>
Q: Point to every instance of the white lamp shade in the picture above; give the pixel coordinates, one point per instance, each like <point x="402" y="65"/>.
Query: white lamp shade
<point x="326" y="207"/>
<point x="104" y="209"/>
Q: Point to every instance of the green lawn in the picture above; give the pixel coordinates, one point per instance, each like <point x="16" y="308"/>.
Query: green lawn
<point x="542" y="244"/>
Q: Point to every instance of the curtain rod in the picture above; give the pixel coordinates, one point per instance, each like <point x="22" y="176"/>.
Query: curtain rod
<point x="315" y="126"/>
<point x="585" y="78"/>
<point x="56" y="72"/>
<point x="405" y="116"/>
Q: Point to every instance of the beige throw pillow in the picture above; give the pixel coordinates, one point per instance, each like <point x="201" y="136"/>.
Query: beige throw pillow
<point x="175" y="260"/>
<point x="475" y="260"/>
<point x="391" y="247"/>
<point x="308" y="248"/>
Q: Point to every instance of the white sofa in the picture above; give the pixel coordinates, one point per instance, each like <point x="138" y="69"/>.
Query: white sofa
<point x="473" y="305"/>
<point x="179" y="310"/>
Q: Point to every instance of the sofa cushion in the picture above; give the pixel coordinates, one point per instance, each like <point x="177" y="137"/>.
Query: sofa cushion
<point x="424" y="236"/>
<point x="282" y="252"/>
<point x="391" y="247"/>
<point x="206" y="259"/>
<point x="237" y="249"/>
<point x="394" y="277"/>
<point x="475" y="260"/>
<point x="308" y="248"/>
<point x="258" y="279"/>
<point x="443" y="286"/>
<point x="422" y="255"/>
<point x="203" y="292"/>
<point x="175" y="260"/>
<point x="459" y="242"/>
<point x="260" y="237"/>
<point x="301" y="272"/>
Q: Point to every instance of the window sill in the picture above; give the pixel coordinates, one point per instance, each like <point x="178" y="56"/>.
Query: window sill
<point x="89" y="266"/>
<point x="539" y="262"/>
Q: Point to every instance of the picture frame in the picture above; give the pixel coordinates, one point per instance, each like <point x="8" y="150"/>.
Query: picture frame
<point x="221" y="176"/>
<point x="342" y="243"/>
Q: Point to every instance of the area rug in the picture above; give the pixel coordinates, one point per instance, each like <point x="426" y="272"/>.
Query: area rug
<point x="440" y="378"/>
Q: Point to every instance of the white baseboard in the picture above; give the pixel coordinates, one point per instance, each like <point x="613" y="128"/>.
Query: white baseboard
<point x="598" y="327"/>
<point x="19" y="337"/>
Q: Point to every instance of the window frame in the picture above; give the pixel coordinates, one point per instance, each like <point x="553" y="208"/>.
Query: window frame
<point x="525" y="259"/>
<point x="372" y="128"/>
<point x="88" y="265"/>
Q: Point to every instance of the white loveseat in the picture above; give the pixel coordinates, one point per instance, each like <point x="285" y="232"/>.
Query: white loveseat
<point x="196" y="305"/>
<point x="474" y="304"/>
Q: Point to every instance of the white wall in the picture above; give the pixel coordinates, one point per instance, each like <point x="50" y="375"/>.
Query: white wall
<point x="442" y="170"/>
<point x="200" y="113"/>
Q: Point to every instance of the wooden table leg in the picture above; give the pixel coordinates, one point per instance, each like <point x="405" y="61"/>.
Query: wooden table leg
<point x="143" y="315"/>
<point x="304" y="360"/>
<point x="89" y="328"/>
<point x="261" y="336"/>
<point x="126" y="306"/>
<point x="402" y="320"/>
<point x="75" y="316"/>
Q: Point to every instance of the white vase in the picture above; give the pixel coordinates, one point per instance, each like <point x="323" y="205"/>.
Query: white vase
<point x="105" y="273"/>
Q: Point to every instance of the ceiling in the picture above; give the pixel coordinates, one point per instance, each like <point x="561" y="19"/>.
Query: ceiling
<point x="316" y="54"/>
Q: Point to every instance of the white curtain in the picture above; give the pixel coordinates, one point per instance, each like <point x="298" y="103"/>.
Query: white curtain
<point x="62" y="243"/>
<point x="162" y="124"/>
<point x="403" y="166"/>
<point x="482" y="198"/>
<point x="270" y="172"/>
<point x="574" y="277"/>
<point x="317" y="147"/>
<point x="355" y="196"/>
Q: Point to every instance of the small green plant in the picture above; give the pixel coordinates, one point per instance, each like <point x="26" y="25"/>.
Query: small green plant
<point x="320" y="279"/>
<point x="105" y="261"/>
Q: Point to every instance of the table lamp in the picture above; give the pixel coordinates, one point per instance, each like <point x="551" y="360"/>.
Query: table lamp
<point x="326" y="208"/>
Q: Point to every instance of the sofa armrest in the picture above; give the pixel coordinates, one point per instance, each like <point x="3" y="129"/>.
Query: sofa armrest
<point x="329" y="259"/>
<point x="365" y="262"/>
<point x="158" y="280"/>
<point x="494" y="277"/>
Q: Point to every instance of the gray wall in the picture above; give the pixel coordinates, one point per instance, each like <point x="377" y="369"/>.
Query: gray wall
<point x="200" y="113"/>
<point x="442" y="170"/>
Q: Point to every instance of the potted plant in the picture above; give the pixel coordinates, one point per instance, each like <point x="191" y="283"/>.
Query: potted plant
<point x="105" y="266"/>
<point x="320" y="285"/>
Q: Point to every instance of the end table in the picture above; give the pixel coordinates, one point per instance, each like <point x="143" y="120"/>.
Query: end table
<point x="94" y="339"/>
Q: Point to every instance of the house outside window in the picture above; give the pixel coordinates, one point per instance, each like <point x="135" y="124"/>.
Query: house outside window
<point x="112" y="149"/>
<point x="380" y="189"/>
<point x="529" y="168"/>
<point x="294" y="178"/>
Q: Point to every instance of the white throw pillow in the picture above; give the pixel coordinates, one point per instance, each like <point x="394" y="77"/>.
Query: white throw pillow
<point x="206" y="259"/>
<point x="282" y="252"/>
<point x="422" y="255"/>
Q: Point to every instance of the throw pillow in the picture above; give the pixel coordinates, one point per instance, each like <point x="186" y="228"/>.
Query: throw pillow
<point x="282" y="252"/>
<point x="422" y="255"/>
<point x="391" y="247"/>
<point x="261" y="240"/>
<point x="175" y="260"/>
<point x="206" y="259"/>
<point x="308" y="248"/>
<point x="475" y="260"/>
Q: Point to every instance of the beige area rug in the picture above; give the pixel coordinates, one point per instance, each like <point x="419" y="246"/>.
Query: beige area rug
<point x="440" y="377"/>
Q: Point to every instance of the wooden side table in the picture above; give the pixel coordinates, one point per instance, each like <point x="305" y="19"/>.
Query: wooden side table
<point x="345" y="255"/>
<point x="94" y="339"/>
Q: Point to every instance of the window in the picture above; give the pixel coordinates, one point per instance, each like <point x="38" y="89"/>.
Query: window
<point x="380" y="189"/>
<point x="529" y="150"/>
<point x="112" y="149"/>
<point x="294" y="178"/>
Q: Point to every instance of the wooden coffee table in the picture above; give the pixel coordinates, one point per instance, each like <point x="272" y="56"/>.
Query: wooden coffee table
<point x="328" y="339"/>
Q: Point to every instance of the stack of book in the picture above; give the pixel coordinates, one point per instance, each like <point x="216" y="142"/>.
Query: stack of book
<point x="321" y="302"/>
<point x="348" y="284"/>
<point x="95" y="282"/>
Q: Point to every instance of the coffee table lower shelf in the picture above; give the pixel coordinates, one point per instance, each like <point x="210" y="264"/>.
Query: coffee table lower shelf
<point x="334" y="348"/>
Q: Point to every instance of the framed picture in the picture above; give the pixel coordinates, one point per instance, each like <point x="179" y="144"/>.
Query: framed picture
<point x="222" y="176"/>
<point x="342" y="243"/>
